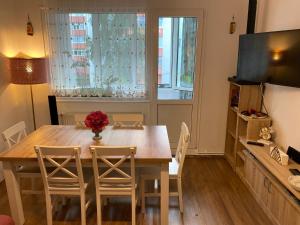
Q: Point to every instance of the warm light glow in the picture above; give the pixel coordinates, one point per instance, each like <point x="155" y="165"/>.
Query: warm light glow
<point x="9" y="54"/>
<point x="29" y="55"/>
<point x="277" y="56"/>
<point x="28" y="67"/>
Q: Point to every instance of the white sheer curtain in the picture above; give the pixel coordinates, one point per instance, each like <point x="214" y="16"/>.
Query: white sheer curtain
<point x="97" y="54"/>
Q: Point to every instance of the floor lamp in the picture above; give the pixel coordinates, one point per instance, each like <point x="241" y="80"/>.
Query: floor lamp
<point x="29" y="72"/>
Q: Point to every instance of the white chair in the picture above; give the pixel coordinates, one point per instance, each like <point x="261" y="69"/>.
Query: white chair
<point x="110" y="179"/>
<point x="79" y="120"/>
<point x="175" y="170"/>
<point x="128" y="120"/>
<point x="60" y="180"/>
<point x="12" y="136"/>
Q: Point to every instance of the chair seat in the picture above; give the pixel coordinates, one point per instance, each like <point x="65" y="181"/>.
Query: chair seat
<point x="66" y="189"/>
<point x="148" y="173"/>
<point x="116" y="188"/>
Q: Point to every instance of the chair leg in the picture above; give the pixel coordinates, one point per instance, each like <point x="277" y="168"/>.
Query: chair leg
<point x="143" y="195"/>
<point x="179" y="186"/>
<point x="98" y="203"/>
<point x="49" y="209"/>
<point x="83" y="209"/>
<point x="19" y="182"/>
<point x="133" y="206"/>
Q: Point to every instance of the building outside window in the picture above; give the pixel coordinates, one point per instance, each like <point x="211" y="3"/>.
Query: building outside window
<point x="176" y="57"/>
<point x="98" y="54"/>
<point x="104" y="55"/>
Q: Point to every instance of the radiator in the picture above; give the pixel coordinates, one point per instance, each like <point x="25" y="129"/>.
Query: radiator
<point x="68" y="118"/>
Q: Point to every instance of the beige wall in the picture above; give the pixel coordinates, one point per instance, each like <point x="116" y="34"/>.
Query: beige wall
<point x="283" y="103"/>
<point x="13" y="98"/>
<point x="15" y="102"/>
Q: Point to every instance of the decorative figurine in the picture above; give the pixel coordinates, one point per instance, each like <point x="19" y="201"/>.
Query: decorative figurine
<point x="232" y="27"/>
<point x="29" y="27"/>
<point x="266" y="135"/>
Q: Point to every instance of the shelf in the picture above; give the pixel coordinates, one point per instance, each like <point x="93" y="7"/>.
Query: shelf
<point x="243" y="139"/>
<point x="234" y="109"/>
<point x="235" y="84"/>
<point x="232" y="134"/>
<point x="248" y="118"/>
<point x="241" y="155"/>
<point x="241" y="97"/>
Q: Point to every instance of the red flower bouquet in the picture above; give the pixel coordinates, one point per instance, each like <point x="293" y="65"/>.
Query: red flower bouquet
<point x="97" y="121"/>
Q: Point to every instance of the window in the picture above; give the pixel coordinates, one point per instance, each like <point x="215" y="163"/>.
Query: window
<point x="79" y="52"/>
<point x="176" y="57"/>
<point x="98" y="54"/>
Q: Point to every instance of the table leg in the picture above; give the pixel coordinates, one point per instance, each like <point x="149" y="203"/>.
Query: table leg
<point x="13" y="191"/>
<point x="164" y="199"/>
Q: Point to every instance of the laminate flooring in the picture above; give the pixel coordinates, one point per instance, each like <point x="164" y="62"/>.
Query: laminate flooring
<point x="213" y="195"/>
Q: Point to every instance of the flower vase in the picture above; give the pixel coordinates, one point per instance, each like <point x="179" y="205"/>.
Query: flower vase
<point x="97" y="136"/>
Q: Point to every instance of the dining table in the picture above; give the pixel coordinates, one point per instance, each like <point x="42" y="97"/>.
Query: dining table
<point x="153" y="150"/>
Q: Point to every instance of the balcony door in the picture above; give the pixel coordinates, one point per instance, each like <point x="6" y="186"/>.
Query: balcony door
<point x="176" y="71"/>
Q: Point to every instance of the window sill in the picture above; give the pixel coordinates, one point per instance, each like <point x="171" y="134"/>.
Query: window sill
<point x="99" y="99"/>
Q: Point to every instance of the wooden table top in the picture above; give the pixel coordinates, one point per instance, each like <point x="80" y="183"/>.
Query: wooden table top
<point x="152" y="142"/>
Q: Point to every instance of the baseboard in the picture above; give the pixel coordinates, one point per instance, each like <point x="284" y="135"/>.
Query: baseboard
<point x="195" y="152"/>
<point x="205" y="155"/>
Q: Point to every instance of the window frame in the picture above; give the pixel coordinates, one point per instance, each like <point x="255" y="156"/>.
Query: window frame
<point x="147" y="50"/>
<point x="150" y="50"/>
<point x="199" y="15"/>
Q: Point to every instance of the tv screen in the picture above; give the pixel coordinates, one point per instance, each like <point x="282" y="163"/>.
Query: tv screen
<point x="272" y="57"/>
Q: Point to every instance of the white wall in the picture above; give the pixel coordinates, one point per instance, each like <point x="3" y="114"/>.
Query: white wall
<point x="219" y="54"/>
<point x="283" y="103"/>
<point x="219" y="62"/>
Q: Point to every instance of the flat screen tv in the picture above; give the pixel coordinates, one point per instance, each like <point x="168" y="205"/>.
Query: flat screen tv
<point x="272" y="57"/>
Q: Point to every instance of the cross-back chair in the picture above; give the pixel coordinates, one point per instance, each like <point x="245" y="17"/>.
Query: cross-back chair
<point x="128" y="120"/>
<point x="175" y="170"/>
<point x="79" y="120"/>
<point x="111" y="179"/>
<point x="12" y="136"/>
<point x="60" y="179"/>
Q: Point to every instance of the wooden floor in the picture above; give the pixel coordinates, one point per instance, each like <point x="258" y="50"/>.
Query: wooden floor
<point x="213" y="195"/>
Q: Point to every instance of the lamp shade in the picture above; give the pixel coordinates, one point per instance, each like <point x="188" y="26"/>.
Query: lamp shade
<point x="28" y="71"/>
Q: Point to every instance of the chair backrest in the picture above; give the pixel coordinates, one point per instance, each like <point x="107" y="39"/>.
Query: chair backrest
<point x="128" y="120"/>
<point x="60" y="175"/>
<point x="182" y="146"/>
<point x="15" y="134"/>
<point x="112" y="158"/>
<point x="79" y="120"/>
